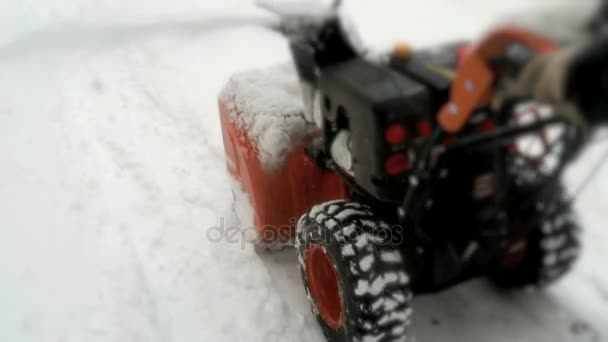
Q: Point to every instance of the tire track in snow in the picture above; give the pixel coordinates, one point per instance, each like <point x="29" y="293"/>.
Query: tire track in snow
<point x="152" y="310"/>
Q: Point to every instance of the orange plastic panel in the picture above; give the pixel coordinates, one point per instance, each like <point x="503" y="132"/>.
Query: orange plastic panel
<point x="472" y="85"/>
<point x="278" y="198"/>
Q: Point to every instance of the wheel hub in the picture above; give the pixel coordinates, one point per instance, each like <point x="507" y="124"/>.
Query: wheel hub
<point x="324" y="286"/>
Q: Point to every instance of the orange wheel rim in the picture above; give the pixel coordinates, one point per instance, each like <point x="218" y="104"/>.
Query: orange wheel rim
<point x="324" y="287"/>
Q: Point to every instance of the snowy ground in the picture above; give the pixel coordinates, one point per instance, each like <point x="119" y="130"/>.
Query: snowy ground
<point x="112" y="174"/>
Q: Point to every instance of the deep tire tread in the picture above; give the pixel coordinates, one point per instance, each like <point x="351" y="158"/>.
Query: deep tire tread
<point x="357" y="231"/>
<point x="553" y="247"/>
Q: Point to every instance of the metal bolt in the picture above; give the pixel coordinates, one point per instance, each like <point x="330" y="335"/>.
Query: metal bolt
<point x="469" y="85"/>
<point x="453" y="108"/>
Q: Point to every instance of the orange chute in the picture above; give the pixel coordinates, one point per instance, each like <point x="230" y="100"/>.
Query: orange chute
<point x="472" y="85"/>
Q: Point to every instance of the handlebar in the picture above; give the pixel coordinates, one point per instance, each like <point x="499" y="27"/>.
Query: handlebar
<point x="586" y="80"/>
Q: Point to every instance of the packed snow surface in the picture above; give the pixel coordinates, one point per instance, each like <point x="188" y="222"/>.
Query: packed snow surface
<point x="117" y="216"/>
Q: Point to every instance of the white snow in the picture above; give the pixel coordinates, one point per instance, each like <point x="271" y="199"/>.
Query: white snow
<point x="346" y="213"/>
<point x="113" y="182"/>
<point x="349" y="230"/>
<point x="377" y="285"/>
<point x="386" y="304"/>
<point x="267" y="104"/>
<point x="331" y="224"/>
<point x="391" y="257"/>
<point x="366" y="263"/>
<point x="348" y="250"/>
<point x="398" y="316"/>
<point x="243" y="212"/>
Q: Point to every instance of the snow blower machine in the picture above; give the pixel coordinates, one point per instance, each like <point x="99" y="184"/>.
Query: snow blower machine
<point x="411" y="172"/>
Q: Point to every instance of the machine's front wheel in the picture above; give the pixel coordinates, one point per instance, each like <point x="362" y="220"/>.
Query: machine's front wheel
<point x="548" y="252"/>
<point x="354" y="273"/>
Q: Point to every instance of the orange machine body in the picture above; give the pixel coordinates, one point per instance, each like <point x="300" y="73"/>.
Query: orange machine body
<point x="280" y="196"/>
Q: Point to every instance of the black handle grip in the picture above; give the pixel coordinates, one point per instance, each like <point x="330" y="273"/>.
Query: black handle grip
<point x="587" y="80"/>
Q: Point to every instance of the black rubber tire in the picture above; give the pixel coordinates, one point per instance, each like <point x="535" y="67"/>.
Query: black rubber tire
<point x="552" y="248"/>
<point x="371" y="271"/>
